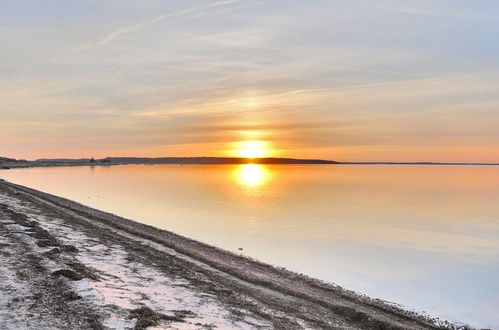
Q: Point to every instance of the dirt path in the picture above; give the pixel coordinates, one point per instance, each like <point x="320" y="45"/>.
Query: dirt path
<point x="68" y="266"/>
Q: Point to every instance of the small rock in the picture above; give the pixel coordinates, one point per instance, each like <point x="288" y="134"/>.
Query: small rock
<point x="68" y="273"/>
<point x="46" y="243"/>
<point x="52" y="252"/>
<point x="69" y="248"/>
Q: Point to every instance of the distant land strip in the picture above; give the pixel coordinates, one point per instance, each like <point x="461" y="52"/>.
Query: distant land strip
<point x="7" y="163"/>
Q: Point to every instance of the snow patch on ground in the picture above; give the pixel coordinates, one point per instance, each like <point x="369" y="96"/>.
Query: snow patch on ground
<point x="125" y="285"/>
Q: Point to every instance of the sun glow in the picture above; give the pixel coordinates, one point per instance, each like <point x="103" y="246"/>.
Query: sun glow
<point x="252" y="149"/>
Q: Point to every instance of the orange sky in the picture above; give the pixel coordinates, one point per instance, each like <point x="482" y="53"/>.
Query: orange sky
<point x="330" y="80"/>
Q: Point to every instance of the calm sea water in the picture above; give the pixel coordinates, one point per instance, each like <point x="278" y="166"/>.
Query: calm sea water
<point x="426" y="237"/>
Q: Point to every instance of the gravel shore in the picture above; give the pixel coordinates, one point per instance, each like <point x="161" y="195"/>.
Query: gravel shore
<point x="67" y="266"/>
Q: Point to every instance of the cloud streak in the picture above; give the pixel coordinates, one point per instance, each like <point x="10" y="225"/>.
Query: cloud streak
<point x="137" y="27"/>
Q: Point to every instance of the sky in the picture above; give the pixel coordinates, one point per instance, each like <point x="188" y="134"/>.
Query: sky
<point x="348" y="80"/>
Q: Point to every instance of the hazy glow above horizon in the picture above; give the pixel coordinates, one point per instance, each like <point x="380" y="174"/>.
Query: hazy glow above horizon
<point x="344" y="80"/>
<point x="252" y="149"/>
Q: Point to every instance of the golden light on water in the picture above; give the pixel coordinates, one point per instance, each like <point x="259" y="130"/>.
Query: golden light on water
<point x="252" y="175"/>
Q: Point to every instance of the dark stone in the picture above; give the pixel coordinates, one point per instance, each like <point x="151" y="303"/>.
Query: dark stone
<point x="68" y="273"/>
<point x="69" y="248"/>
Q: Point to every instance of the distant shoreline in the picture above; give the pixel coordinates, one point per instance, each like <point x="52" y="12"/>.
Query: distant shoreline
<point x="8" y="163"/>
<point x="418" y="163"/>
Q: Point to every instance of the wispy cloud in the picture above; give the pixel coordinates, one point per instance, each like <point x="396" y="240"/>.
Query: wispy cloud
<point x="139" y="26"/>
<point x="253" y="4"/>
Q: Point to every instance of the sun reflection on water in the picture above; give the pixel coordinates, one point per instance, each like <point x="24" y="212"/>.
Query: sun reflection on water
<point x="252" y="175"/>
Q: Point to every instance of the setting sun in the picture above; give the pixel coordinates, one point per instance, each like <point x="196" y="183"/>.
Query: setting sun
<point x="252" y="149"/>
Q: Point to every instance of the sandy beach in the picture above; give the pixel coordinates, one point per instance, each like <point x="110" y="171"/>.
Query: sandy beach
<point x="67" y="266"/>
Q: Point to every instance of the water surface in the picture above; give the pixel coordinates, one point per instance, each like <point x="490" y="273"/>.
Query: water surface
<point x="426" y="237"/>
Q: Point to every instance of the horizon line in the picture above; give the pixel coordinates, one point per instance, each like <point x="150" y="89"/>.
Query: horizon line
<point x="277" y="158"/>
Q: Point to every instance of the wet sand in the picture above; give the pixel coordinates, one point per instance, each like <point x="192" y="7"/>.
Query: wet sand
<point x="67" y="266"/>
